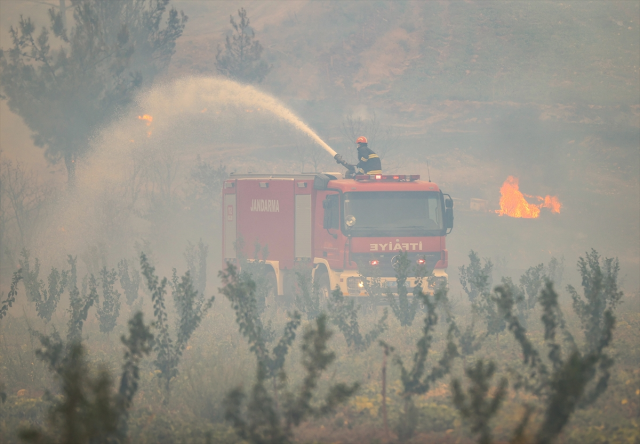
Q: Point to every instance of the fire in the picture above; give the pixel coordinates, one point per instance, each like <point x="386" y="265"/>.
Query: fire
<point x="147" y="118"/>
<point x="514" y="204"/>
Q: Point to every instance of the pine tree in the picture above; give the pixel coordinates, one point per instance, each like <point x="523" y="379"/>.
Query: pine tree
<point x="240" y="59"/>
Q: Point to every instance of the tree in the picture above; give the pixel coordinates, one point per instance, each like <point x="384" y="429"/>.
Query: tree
<point x="64" y="96"/>
<point x="240" y="59"/>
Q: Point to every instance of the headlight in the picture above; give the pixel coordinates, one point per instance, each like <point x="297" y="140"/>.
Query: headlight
<point x="350" y="220"/>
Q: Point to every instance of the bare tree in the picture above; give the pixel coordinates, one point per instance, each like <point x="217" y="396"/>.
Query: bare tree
<point x="22" y="204"/>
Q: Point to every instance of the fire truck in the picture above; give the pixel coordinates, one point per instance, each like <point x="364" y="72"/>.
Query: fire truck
<point x="338" y="227"/>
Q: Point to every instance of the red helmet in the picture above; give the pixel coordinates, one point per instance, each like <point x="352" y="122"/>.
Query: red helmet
<point x="361" y="139"/>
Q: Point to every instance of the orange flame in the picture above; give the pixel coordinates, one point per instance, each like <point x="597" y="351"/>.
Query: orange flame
<point x="146" y="117"/>
<point x="513" y="203"/>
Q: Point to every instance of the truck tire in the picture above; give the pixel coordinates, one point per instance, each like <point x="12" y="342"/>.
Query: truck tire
<point x="324" y="287"/>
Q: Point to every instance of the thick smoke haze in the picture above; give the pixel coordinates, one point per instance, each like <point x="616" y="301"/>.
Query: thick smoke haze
<point x="465" y="94"/>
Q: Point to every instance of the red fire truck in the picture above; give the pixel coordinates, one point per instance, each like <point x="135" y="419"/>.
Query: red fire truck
<point x="337" y="227"/>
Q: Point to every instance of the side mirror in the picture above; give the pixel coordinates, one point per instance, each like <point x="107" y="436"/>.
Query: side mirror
<point x="448" y="213"/>
<point x="448" y="218"/>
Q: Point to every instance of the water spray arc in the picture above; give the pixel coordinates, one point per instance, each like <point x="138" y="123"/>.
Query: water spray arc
<point x="170" y="124"/>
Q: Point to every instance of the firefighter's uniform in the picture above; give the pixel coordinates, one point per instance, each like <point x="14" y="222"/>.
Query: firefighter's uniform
<point x="368" y="161"/>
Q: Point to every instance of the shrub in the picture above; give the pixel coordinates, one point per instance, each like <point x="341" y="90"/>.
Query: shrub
<point x="307" y="298"/>
<point x="79" y="304"/>
<point x="476" y="407"/>
<point x="532" y="281"/>
<point x="45" y="297"/>
<point x="13" y="292"/>
<point x="240" y="289"/>
<point x="417" y="379"/>
<point x="574" y="379"/>
<point x="475" y="277"/>
<point x="258" y="271"/>
<point x="404" y="309"/>
<point x="197" y="264"/>
<point x="191" y="311"/>
<point x="344" y="315"/>
<point x="601" y="295"/>
<point x="262" y="421"/>
<point x="129" y="281"/>
<point x="88" y="411"/>
<point x="109" y="310"/>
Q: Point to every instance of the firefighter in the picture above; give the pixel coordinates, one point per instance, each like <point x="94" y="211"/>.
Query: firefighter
<point x="368" y="161"/>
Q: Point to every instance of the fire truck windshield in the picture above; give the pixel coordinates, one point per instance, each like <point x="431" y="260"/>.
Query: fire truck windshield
<point x="393" y="213"/>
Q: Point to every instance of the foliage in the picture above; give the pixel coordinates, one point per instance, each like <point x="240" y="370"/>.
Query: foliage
<point x="307" y="299"/>
<point x="258" y="271"/>
<point x="475" y="277"/>
<point x="485" y="305"/>
<point x="601" y="295"/>
<point x="262" y="421"/>
<point x="129" y="281"/>
<point x="45" y="298"/>
<point x="344" y="315"/>
<point x="532" y="281"/>
<point x="191" y="311"/>
<point x="403" y="309"/>
<point x="240" y="289"/>
<point x="240" y="59"/>
<point x="13" y="292"/>
<point x="520" y="299"/>
<point x="474" y="407"/>
<point x="555" y="271"/>
<point x="109" y="310"/>
<point x="105" y="56"/>
<point x="417" y="380"/>
<point x="197" y="265"/>
<point x="79" y="303"/>
<point x="575" y="379"/>
<point x="88" y="411"/>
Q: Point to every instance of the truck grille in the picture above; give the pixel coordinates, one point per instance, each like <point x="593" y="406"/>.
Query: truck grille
<point x="385" y="266"/>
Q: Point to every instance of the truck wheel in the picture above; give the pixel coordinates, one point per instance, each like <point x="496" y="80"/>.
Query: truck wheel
<point x="324" y="288"/>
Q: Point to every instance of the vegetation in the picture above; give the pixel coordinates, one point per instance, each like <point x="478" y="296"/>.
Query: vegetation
<point x="344" y="315"/>
<point x="241" y="57"/>
<point x="557" y="385"/>
<point x="601" y="295"/>
<point x="112" y="49"/>
<point x="418" y="378"/>
<point x="307" y="298"/>
<point x="45" y="298"/>
<point x="88" y="411"/>
<point x="264" y="421"/>
<point x="11" y="297"/>
<point x="196" y="258"/>
<point x="476" y="277"/>
<point x="403" y="308"/>
<point x="190" y="310"/>
<point x="240" y="289"/>
<point x="129" y="281"/>
<point x="109" y="310"/>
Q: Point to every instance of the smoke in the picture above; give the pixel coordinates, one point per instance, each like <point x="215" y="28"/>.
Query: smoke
<point x="134" y="180"/>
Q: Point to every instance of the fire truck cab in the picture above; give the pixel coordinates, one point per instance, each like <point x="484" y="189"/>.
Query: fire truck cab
<point x="338" y="227"/>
